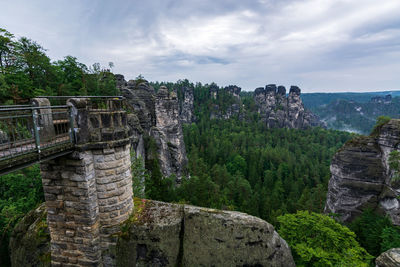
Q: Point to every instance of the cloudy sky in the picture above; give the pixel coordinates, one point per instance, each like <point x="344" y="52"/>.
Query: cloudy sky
<point x="320" y="45"/>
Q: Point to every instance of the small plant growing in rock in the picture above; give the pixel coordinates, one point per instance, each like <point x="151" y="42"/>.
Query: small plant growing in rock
<point x="394" y="165"/>
<point x="380" y="121"/>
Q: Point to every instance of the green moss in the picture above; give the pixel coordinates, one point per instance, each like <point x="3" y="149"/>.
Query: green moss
<point x="215" y="211"/>
<point x="42" y="230"/>
<point x="137" y="216"/>
<point x="45" y="259"/>
<point x="380" y="122"/>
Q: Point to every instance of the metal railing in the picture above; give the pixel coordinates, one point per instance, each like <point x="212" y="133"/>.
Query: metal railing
<point x="32" y="133"/>
<point x="106" y="103"/>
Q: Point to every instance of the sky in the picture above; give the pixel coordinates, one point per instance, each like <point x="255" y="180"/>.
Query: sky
<point x="319" y="45"/>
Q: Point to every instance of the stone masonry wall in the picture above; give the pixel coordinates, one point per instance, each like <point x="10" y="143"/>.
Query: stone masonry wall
<point x="89" y="192"/>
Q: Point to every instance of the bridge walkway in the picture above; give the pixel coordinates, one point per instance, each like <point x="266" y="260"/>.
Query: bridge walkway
<point x="35" y="133"/>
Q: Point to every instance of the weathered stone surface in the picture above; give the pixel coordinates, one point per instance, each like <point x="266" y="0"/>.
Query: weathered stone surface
<point x="153" y="236"/>
<point x="88" y="192"/>
<point x="186" y="106"/>
<point x="233" y="109"/>
<point x="226" y="238"/>
<point x="158" y="115"/>
<point x="277" y="110"/>
<point x="30" y="240"/>
<point x="361" y="177"/>
<point x="169" y="135"/>
<point x="390" y="258"/>
<point x="165" y="234"/>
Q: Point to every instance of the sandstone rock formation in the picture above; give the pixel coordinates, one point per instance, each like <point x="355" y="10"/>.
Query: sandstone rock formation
<point x="164" y="234"/>
<point x="361" y="177"/>
<point x="233" y="90"/>
<point x="277" y="110"/>
<point x="30" y="240"/>
<point x="230" y="97"/>
<point x="390" y="258"/>
<point x="168" y="134"/>
<point x="158" y="116"/>
<point x="186" y="106"/>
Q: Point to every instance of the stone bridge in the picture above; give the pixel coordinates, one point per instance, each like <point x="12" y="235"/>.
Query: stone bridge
<point x="83" y="149"/>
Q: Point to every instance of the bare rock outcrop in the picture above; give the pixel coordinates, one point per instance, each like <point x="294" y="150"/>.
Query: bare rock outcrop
<point x="163" y="234"/>
<point x="361" y="177"/>
<point x="30" y="240"/>
<point x="168" y="134"/>
<point x="156" y="115"/>
<point x="229" y="97"/>
<point x="186" y="105"/>
<point x="390" y="258"/>
<point x="279" y="110"/>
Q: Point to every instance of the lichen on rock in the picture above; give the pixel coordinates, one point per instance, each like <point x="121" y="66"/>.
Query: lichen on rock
<point x="390" y="258"/>
<point x="30" y="240"/>
<point x="164" y="234"/>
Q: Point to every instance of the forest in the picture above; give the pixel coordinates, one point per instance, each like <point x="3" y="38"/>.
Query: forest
<point x="280" y="175"/>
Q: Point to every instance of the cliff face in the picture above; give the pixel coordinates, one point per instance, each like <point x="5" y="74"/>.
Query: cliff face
<point x="229" y="102"/>
<point x="164" y="234"/>
<point x="30" y="240"/>
<point x="155" y="115"/>
<point x="168" y="134"/>
<point x="277" y="110"/>
<point x="186" y="106"/>
<point x="390" y="258"/>
<point x="361" y="177"/>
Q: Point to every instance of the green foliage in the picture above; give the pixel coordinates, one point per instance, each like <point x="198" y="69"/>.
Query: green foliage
<point x="373" y="232"/>
<point x="26" y="71"/>
<point x="157" y="187"/>
<point x="317" y="240"/>
<point x="139" y="176"/>
<point x="264" y="172"/>
<point x="394" y="165"/>
<point x="19" y="193"/>
<point x="380" y="121"/>
<point x="390" y="238"/>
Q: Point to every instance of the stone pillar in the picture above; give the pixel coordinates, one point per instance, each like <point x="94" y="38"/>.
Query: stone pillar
<point x="89" y="192"/>
<point x="46" y="125"/>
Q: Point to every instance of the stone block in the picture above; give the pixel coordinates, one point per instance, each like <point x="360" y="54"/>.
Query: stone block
<point x="106" y="120"/>
<point x="112" y="201"/>
<point x="110" y="172"/>
<point x="116" y="119"/>
<point x="108" y="151"/>
<point x="105" y="180"/>
<point x="108" y="165"/>
<point x="107" y="134"/>
<point x="70" y="233"/>
<point x="95" y="121"/>
<point x="111" y="186"/>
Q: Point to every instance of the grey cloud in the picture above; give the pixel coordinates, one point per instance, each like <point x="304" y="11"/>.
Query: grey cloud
<point x="319" y="45"/>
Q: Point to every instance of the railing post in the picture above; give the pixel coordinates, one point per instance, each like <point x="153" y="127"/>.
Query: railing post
<point x="71" y="125"/>
<point x="36" y="129"/>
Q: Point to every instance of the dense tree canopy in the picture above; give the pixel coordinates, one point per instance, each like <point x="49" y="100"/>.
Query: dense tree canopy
<point x="317" y="240"/>
<point x="26" y="71"/>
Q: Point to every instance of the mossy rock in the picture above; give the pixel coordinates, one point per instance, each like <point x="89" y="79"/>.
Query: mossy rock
<point x="30" y="240"/>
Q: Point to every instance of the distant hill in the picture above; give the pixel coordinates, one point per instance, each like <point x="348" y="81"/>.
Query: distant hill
<point x="311" y="100"/>
<point x="354" y="112"/>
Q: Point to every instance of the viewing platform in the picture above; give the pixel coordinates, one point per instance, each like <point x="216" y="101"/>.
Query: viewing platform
<point x="41" y="131"/>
